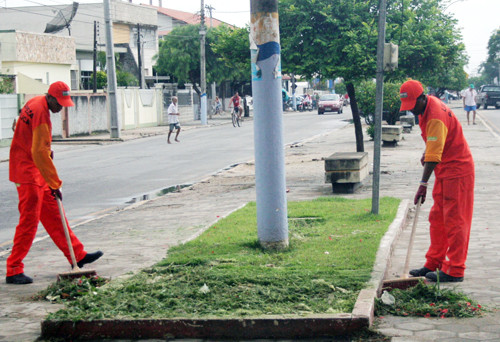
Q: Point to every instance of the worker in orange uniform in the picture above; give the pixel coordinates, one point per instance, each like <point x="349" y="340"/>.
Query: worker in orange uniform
<point x="32" y="170"/>
<point x="447" y="154"/>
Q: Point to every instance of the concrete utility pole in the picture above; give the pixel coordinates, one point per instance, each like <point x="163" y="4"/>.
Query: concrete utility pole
<point x="210" y="9"/>
<point x="110" y="64"/>
<point x="139" y="59"/>
<point x="272" y="223"/>
<point x="203" y="80"/>
<point x="379" y="99"/>
<point x="214" y="88"/>
<point x="94" y="74"/>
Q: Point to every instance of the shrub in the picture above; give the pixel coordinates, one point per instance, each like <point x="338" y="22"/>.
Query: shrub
<point x="6" y="85"/>
<point x="365" y="95"/>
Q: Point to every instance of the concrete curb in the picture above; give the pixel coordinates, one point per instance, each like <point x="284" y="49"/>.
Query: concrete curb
<point x="265" y="327"/>
<point x="365" y="304"/>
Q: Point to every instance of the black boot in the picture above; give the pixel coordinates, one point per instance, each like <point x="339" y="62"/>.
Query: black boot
<point x="420" y="272"/>
<point x="443" y="277"/>
<point x="18" y="279"/>
<point x="89" y="258"/>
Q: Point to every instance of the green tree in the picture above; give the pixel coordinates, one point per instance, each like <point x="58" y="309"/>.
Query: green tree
<point x="366" y="91"/>
<point x="102" y="79"/>
<point x="340" y="88"/>
<point x="179" y="55"/>
<point x="126" y="79"/>
<point x="231" y="49"/>
<point x="227" y="55"/>
<point x="6" y="85"/>
<point x="430" y="44"/>
<point x="490" y="68"/>
<point x="330" y="39"/>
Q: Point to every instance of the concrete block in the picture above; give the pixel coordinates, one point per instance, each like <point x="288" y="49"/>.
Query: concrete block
<point x="346" y="171"/>
<point x="347" y="176"/>
<point x="407" y="119"/>
<point x="391" y="133"/>
<point x="407" y="128"/>
<point x="346" y="161"/>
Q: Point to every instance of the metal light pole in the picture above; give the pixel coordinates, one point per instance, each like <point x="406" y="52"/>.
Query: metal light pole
<point x="110" y="64"/>
<point x="379" y="98"/>
<point x="272" y="223"/>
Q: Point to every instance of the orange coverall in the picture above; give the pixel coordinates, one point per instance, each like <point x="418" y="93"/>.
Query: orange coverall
<point x="451" y="215"/>
<point x="32" y="169"/>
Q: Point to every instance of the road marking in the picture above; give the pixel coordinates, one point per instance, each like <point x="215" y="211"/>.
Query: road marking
<point x="490" y="126"/>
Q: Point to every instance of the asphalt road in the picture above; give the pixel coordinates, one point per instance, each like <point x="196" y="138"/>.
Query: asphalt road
<point x="491" y="116"/>
<point x="102" y="178"/>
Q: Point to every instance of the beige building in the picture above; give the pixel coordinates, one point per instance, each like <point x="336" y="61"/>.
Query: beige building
<point x="36" y="59"/>
<point x="127" y="20"/>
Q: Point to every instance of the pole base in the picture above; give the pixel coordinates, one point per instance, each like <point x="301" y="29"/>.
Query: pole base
<point x="274" y="245"/>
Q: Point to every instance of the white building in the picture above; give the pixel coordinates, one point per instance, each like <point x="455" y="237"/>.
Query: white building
<point x="126" y="18"/>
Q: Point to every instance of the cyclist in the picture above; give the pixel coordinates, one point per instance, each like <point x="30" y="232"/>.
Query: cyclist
<point x="235" y="102"/>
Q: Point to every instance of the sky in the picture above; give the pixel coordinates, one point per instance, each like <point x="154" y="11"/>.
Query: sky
<point x="477" y="18"/>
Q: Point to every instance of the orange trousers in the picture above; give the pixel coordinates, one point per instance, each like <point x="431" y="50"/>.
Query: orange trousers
<point x="450" y="221"/>
<point x="36" y="204"/>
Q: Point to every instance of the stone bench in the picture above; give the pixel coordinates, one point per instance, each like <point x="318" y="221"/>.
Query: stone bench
<point x="391" y="134"/>
<point x="407" y="121"/>
<point x="346" y="171"/>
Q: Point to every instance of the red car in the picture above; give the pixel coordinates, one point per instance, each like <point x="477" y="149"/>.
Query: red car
<point x="330" y="103"/>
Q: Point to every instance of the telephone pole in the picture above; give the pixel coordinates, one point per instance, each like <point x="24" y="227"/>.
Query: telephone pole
<point x="139" y="60"/>
<point x="110" y="64"/>
<point x="272" y="222"/>
<point x="203" y="81"/>
<point x="94" y="74"/>
<point x="210" y="9"/>
<point x="214" y="86"/>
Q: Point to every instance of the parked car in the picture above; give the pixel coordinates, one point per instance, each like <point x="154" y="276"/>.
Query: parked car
<point x="488" y="95"/>
<point x="330" y="103"/>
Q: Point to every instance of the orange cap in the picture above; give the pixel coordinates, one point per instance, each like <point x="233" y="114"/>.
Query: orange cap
<point x="60" y="91"/>
<point x="409" y="92"/>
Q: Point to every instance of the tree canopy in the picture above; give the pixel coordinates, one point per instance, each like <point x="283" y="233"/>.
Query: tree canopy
<point x="227" y="55"/>
<point x="490" y="69"/>
<point x="330" y="39"/>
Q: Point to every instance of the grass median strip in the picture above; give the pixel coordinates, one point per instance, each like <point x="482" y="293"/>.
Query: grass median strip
<point x="225" y="273"/>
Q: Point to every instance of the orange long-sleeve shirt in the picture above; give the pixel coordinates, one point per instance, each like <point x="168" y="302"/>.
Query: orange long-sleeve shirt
<point x="30" y="161"/>
<point x="444" y="141"/>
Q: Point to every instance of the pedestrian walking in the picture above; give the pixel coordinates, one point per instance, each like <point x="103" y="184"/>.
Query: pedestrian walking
<point x="173" y="119"/>
<point x="470" y="105"/>
<point x="448" y="156"/>
<point x="32" y="169"/>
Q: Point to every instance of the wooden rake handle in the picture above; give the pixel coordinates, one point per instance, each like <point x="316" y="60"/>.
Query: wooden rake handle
<point x="412" y="236"/>
<point x="66" y="233"/>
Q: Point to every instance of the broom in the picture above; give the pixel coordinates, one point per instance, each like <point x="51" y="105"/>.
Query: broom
<point x="76" y="272"/>
<point x="405" y="282"/>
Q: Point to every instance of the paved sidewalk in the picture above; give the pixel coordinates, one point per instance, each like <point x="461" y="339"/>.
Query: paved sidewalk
<point x="141" y="235"/>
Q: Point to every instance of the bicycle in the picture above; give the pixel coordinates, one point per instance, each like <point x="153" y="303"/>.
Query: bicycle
<point x="217" y="109"/>
<point x="236" y="117"/>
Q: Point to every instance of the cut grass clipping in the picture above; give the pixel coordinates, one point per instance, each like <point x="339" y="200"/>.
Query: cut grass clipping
<point x="70" y="289"/>
<point x="225" y="273"/>
<point x="429" y="301"/>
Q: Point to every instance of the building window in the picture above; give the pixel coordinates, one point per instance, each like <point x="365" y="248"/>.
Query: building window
<point x="86" y="80"/>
